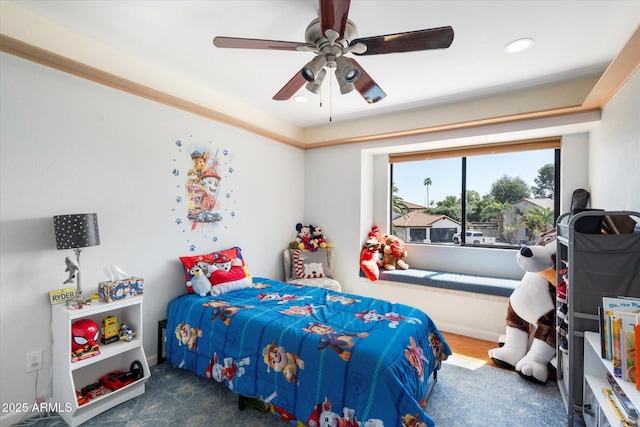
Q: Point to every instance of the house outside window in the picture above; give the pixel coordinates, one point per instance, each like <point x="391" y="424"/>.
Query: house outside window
<point x="502" y="195"/>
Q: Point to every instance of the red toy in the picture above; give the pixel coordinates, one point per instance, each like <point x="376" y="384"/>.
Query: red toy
<point x="94" y="390"/>
<point x="84" y="332"/>
<point x="81" y="399"/>
<point x="84" y="339"/>
<point x="370" y="257"/>
<point x="117" y="379"/>
<point x="97" y="392"/>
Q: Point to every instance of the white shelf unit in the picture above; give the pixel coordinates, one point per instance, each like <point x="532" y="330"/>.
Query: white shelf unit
<point x="69" y="376"/>
<point x="599" y="265"/>
<point x="595" y="379"/>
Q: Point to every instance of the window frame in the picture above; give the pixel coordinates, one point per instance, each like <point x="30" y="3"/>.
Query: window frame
<point x="463" y="153"/>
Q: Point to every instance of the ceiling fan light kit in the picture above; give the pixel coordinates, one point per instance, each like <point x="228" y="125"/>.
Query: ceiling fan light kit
<point x="314" y="86"/>
<point x="312" y="69"/>
<point x="346" y="69"/>
<point x="333" y="35"/>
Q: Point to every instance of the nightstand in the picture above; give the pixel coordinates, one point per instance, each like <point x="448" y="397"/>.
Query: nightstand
<point x="70" y="376"/>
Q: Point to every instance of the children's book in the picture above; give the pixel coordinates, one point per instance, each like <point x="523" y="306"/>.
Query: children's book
<point x="620" y="322"/>
<point x="616" y="328"/>
<point x="628" y="347"/>
<point x="610" y="396"/>
<point x="637" y="330"/>
<point x="610" y="305"/>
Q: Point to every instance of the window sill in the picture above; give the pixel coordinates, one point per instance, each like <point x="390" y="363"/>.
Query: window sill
<point x="454" y="281"/>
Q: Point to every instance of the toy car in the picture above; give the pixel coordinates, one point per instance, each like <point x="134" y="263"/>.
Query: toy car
<point x="88" y="388"/>
<point x="81" y="399"/>
<point x="97" y="392"/>
<point x="117" y="379"/>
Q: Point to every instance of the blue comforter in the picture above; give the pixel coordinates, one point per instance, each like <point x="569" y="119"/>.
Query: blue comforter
<point x="310" y="352"/>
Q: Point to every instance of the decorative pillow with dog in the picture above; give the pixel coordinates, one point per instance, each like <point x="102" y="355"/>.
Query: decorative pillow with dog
<point x="217" y="268"/>
<point x="229" y="272"/>
<point x="308" y="265"/>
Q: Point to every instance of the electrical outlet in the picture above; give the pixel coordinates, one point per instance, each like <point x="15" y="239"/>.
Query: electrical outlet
<point x="34" y="361"/>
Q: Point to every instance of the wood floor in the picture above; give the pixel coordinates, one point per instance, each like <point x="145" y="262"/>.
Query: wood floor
<point x="470" y="347"/>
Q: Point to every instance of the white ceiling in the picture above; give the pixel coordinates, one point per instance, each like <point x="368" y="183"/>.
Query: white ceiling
<point x="573" y="39"/>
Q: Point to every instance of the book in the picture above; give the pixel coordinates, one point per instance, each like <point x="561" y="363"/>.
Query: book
<point x="629" y="409"/>
<point x="610" y="305"/>
<point x="624" y="421"/>
<point x="616" y="327"/>
<point x="603" y="341"/>
<point x="637" y="331"/>
<point x="628" y="347"/>
<point x="621" y="321"/>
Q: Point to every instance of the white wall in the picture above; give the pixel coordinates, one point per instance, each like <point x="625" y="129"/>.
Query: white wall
<point x="72" y="146"/>
<point x="614" y="152"/>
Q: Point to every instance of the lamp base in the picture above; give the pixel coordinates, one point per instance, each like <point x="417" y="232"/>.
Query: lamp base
<point x="78" y="301"/>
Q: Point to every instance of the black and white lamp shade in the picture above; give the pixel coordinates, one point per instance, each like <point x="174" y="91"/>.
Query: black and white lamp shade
<point x="76" y="231"/>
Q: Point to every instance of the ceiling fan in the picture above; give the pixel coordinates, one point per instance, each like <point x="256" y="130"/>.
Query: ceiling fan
<point x="333" y="35"/>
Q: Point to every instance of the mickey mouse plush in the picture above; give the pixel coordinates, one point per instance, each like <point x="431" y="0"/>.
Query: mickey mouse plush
<point x="305" y="239"/>
<point x="318" y="238"/>
<point x="532" y="303"/>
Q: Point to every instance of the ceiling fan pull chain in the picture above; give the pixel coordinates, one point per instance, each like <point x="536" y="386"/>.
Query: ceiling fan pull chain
<point x="330" y="100"/>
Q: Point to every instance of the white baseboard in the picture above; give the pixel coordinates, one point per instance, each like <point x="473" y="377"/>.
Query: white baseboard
<point x="469" y="332"/>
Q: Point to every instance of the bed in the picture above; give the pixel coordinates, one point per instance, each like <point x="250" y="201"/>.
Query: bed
<point x="311" y="353"/>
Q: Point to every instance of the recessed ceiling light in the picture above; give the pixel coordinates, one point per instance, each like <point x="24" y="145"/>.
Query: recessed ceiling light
<point x="518" y="45"/>
<point x="300" y="98"/>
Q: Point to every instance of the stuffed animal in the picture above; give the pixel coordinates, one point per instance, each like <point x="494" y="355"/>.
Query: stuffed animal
<point x="318" y="238"/>
<point x="394" y="252"/>
<point x="72" y="268"/>
<point x="532" y="303"/>
<point x="227" y="273"/>
<point x="199" y="282"/>
<point x="370" y="257"/>
<point x="304" y="239"/>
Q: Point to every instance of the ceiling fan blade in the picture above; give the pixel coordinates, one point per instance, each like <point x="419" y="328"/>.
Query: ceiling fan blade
<point x="433" y="38"/>
<point x="292" y="86"/>
<point x="240" y="43"/>
<point x="368" y="88"/>
<point x="333" y="15"/>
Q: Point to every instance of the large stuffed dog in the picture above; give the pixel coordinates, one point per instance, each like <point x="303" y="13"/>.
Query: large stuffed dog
<point x="532" y="304"/>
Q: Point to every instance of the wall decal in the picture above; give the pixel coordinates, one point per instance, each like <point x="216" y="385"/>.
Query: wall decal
<point x="204" y="196"/>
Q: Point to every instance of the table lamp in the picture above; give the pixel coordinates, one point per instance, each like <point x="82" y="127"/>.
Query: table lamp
<point x="76" y="232"/>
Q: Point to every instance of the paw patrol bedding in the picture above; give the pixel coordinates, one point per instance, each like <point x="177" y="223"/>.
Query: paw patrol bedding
<point x="312" y="353"/>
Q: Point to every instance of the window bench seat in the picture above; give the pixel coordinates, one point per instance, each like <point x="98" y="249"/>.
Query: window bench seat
<point x="455" y="281"/>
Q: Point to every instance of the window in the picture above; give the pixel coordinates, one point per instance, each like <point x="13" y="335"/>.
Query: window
<point x="500" y="195"/>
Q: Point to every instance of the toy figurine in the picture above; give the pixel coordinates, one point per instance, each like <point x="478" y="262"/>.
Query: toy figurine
<point x="72" y="269"/>
<point x="84" y="339"/>
<point x="126" y="333"/>
<point x="109" y="330"/>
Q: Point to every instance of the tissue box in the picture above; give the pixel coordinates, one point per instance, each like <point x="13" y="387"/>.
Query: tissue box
<point x="120" y="289"/>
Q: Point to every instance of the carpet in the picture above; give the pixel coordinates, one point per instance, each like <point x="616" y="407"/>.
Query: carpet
<point x="467" y="394"/>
